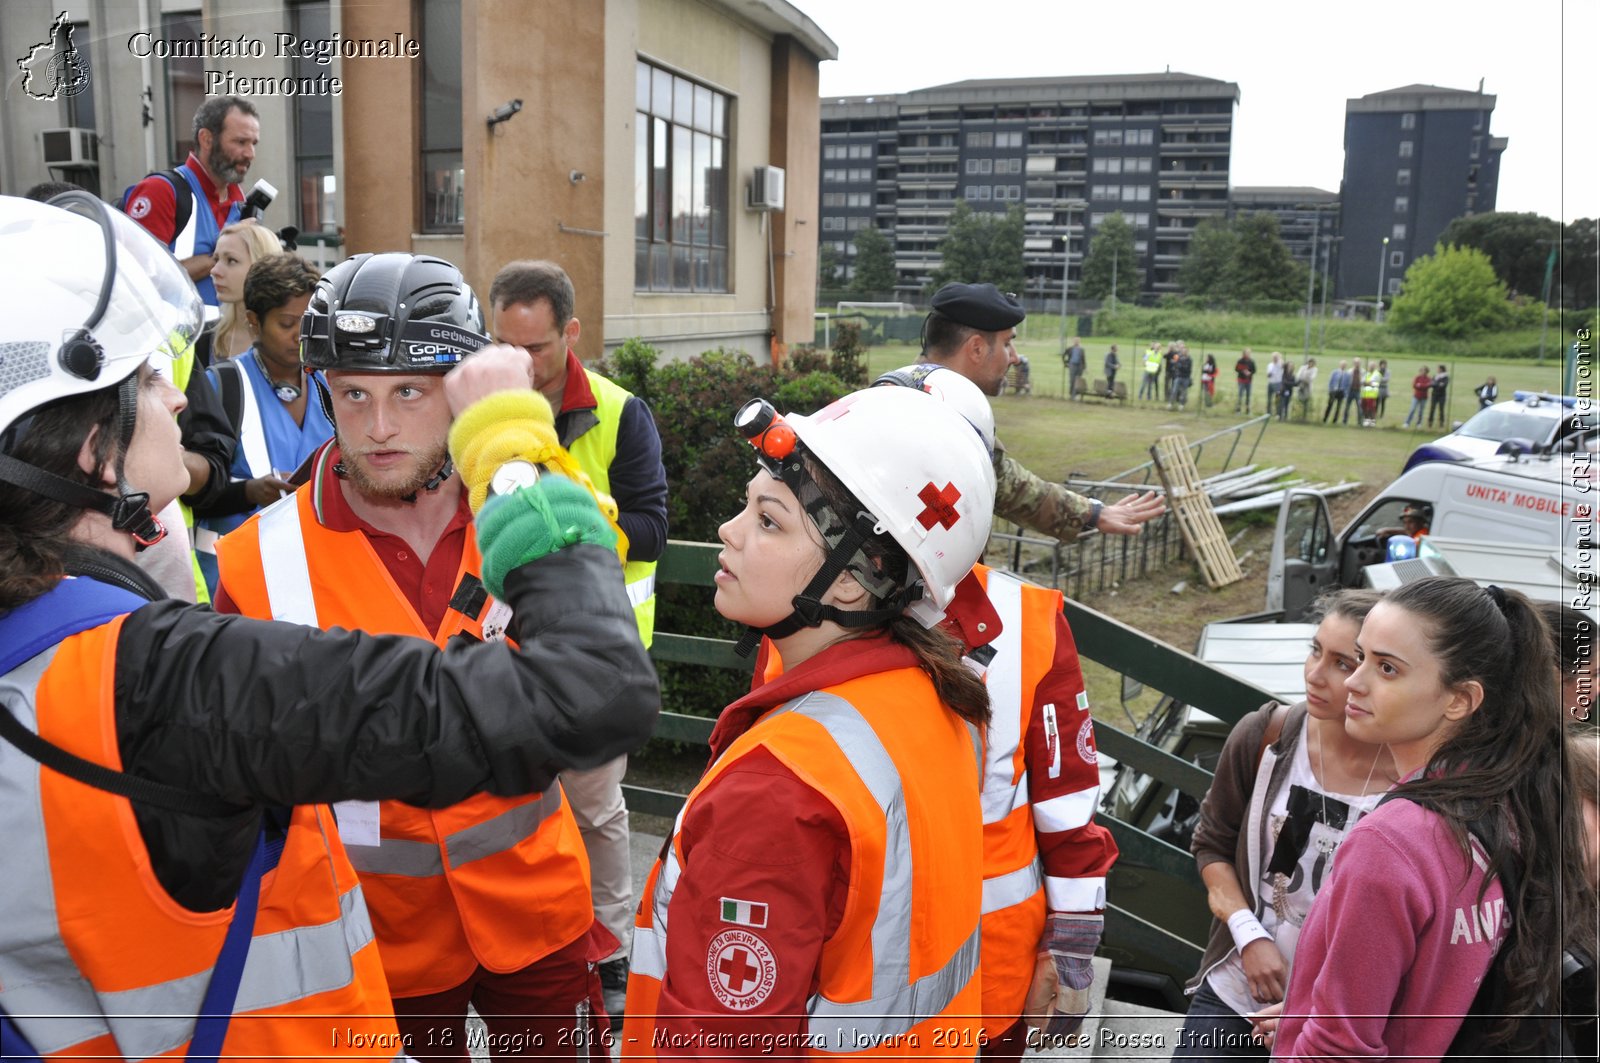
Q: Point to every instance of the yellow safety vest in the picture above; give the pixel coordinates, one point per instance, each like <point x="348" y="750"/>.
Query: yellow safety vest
<point x="594" y="451"/>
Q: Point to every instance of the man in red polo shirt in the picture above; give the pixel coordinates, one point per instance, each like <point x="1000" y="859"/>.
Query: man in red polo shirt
<point x="487" y="901"/>
<point x="226" y="132"/>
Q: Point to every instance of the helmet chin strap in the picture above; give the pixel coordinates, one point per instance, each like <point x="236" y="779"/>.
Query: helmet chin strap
<point x="128" y="510"/>
<point x="847" y="554"/>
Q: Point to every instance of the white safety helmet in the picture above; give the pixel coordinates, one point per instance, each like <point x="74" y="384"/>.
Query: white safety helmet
<point x="923" y="476"/>
<point x="944" y="383"/>
<point x="90" y="298"/>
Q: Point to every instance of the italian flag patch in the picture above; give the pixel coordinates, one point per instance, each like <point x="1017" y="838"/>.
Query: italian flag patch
<point x="744" y="913"/>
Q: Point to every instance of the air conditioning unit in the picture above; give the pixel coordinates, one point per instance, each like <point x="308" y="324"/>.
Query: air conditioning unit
<point x="766" y="188"/>
<point x="71" y="148"/>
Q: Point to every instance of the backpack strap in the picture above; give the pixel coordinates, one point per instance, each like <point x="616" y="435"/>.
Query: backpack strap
<point x="1274" y="731"/>
<point x="230" y="387"/>
<point x="72" y="606"/>
<point x="182" y="199"/>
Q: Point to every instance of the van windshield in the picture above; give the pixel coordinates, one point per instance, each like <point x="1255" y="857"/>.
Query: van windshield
<point x="1502" y="424"/>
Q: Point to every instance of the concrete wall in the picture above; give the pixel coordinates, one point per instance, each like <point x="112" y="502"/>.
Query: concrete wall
<point x="379" y="189"/>
<point x="702" y="42"/>
<point x="796" y="145"/>
<point x="523" y="199"/>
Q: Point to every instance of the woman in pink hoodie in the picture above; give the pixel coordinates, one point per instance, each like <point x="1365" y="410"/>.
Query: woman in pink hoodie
<point x="1473" y="871"/>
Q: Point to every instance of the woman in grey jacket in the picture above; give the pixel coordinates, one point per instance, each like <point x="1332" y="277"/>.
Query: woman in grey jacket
<point x="1289" y="786"/>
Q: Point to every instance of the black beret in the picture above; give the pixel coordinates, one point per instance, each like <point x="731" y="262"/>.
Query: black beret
<point x="979" y="306"/>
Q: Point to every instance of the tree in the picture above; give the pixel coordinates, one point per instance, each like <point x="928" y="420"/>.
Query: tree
<point x="961" y="252"/>
<point x="875" y="270"/>
<point x="1580" y="272"/>
<point x="1004" y="267"/>
<point x="1112" y="243"/>
<point x="1204" y="271"/>
<point x="1451" y="293"/>
<point x="1512" y="243"/>
<point x="1262" y="267"/>
<point x="827" y="267"/>
<point x="982" y="248"/>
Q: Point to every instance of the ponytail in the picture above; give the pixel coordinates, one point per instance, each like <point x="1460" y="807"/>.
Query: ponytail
<point x="939" y="655"/>
<point x="1499" y="775"/>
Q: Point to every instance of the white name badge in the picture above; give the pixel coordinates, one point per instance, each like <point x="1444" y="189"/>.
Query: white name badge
<point x="358" y="822"/>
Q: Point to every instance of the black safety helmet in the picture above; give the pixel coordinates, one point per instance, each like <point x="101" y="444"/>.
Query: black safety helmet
<point x="391" y="313"/>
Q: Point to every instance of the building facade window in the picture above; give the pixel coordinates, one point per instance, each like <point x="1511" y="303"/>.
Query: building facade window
<point x="1393" y="284"/>
<point x="1399" y="232"/>
<point x="1402" y="204"/>
<point x="1477" y="146"/>
<point x="1408" y="120"/>
<point x="980" y="140"/>
<point x="444" y="176"/>
<point x="1402" y="178"/>
<point x="1405" y="149"/>
<point x="317" y="194"/>
<point x="1397" y="259"/>
<point x="185" y="82"/>
<point x="681" y="183"/>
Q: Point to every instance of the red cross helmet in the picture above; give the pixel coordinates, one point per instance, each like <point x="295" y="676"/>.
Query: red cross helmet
<point x="921" y="470"/>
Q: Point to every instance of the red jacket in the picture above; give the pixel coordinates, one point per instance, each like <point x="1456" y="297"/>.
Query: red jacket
<point x="1420" y="384"/>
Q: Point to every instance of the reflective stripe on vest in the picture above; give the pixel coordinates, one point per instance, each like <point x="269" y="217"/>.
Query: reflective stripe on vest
<point x="284" y="565"/>
<point x="42" y="987"/>
<point x="1014" y="887"/>
<point x="594" y="451"/>
<point x="1002" y="795"/>
<point x="396" y="856"/>
<point x="640" y="591"/>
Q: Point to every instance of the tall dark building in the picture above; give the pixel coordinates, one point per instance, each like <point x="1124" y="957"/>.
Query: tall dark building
<point x="1068" y="150"/>
<point x="1415" y="159"/>
<point x="1303" y="214"/>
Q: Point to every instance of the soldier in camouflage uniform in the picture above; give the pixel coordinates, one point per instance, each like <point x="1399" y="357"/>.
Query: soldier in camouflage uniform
<point x="970" y="329"/>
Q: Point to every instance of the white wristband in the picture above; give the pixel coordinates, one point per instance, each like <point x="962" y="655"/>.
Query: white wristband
<point x="1245" y="928"/>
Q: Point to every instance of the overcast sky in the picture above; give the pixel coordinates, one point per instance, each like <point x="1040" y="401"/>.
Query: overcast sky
<point x="1295" y="66"/>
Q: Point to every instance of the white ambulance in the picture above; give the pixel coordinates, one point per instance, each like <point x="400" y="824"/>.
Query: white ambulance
<point x="1542" y="502"/>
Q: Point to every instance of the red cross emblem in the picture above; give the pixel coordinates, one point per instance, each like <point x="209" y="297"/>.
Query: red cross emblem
<point x="741" y="969"/>
<point x="737" y="970"/>
<point x="941" y="506"/>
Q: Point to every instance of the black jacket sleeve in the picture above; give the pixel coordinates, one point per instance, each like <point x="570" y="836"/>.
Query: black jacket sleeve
<point x="206" y="432"/>
<point x="262" y="713"/>
<point x="639" y="482"/>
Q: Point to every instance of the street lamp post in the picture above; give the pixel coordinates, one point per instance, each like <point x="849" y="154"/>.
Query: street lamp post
<point x="1383" y="263"/>
<point x="1311" y="277"/>
<point x="1327" y="258"/>
<point x="1066" y="275"/>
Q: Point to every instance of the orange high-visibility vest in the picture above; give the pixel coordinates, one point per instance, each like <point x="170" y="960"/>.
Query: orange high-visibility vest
<point x="96" y="959"/>
<point x="1013" y="884"/>
<point x="899" y="974"/>
<point x="497" y="881"/>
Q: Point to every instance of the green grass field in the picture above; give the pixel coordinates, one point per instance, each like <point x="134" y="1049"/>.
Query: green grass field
<point x="1097" y="440"/>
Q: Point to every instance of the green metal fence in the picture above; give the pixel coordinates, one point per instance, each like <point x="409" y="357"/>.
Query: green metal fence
<point x="1156" y="916"/>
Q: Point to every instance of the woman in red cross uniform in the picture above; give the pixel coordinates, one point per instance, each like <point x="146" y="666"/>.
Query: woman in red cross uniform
<point x="822" y="888"/>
